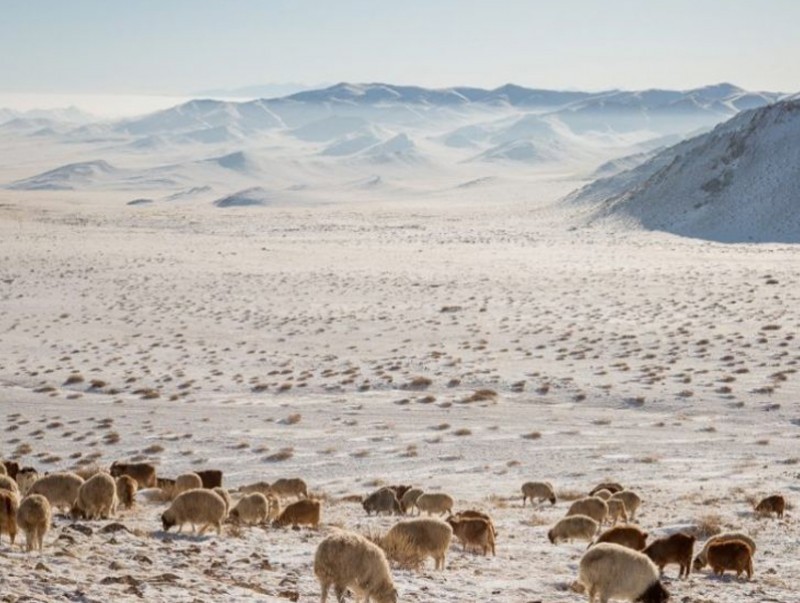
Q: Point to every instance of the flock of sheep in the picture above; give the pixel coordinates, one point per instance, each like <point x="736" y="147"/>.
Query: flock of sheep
<point x="619" y="563"/>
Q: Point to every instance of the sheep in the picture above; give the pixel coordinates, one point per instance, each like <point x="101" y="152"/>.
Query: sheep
<point x="60" y="489"/>
<point x="409" y="500"/>
<point x="225" y="496"/>
<point x="25" y="479"/>
<point x="8" y="485"/>
<point x="616" y="511"/>
<point x="382" y="501"/>
<point x="9" y="505"/>
<point x="474" y="531"/>
<point x="595" y="508"/>
<point x="262" y="487"/>
<point x="10" y="468"/>
<point x="422" y="537"/>
<point x="304" y="511"/>
<point x="604" y="494"/>
<point x="435" y="502"/>
<point x="346" y="560"/>
<point x="538" y="491"/>
<point x="399" y="490"/>
<point x="186" y="481"/>
<point x="676" y="548"/>
<point x="612" y="487"/>
<point x="733" y="555"/>
<point x="210" y="478"/>
<point x="702" y="558"/>
<point x="628" y="536"/>
<point x="286" y="487"/>
<point x="198" y="507"/>
<point x="143" y="473"/>
<point x="167" y="487"/>
<point x="251" y="509"/>
<point x="97" y="498"/>
<point x="631" y="500"/>
<point x="610" y="571"/>
<point x="574" y="527"/>
<point x="772" y="504"/>
<point x="33" y="518"/>
<point x="126" y="490"/>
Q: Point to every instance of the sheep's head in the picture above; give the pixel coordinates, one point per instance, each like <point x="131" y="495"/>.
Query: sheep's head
<point x="551" y="537"/>
<point x="655" y="593"/>
<point x="76" y="512"/>
<point x="167" y="520"/>
<point x="552" y="500"/>
<point x="698" y="564"/>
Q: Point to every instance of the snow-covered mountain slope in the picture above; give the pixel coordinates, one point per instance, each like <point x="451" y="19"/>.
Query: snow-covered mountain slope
<point x="739" y="182"/>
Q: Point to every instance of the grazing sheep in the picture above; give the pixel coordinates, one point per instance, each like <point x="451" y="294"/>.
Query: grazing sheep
<point x="33" y="518"/>
<point x="474" y="531"/>
<point x="25" y="479"/>
<point x="616" y="511"/>
<point x="595" y="508"/>
<point x="538" y="491"/>
<point x="631" y="500"/>
<point x="346" y="560"/>
<point x="97" y="498"/>
<point x="409" y="500"/>
<point x="676" y="548"/>
<point x="435" y="502"/>
<point x="772" y="504"/>
<point x="262" y="487"/>
<point x="200" y="507"/>
<point x="9" y="505"/>
<point x="421" y="538"/>
<point x="210" y="478"/>
<point x="612" y="487"/>
<point x="251" y="509"/>
<point x="185" y="482"/>
<point x="304" y="511"/>
<point x="604" y="494"/>
<point x="143" y="473"/>
<point x="8" y="485"/>
<point x="702" y="558"/>
<point x="126" y="490"/>
<point x="610" y="571"/>
<point x="628" y="536"/>
<point x="733" y="555"/>
<point x="60" y="489"/>
<point x="574" y="527"/>
<point x="11" y="469"/>
<point x="224" y="495"/>
<point x="382" y="501"/>
<point x="286" y="487"/>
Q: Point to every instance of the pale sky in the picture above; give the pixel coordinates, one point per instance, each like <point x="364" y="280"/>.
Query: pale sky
<point x="181" y="46"/>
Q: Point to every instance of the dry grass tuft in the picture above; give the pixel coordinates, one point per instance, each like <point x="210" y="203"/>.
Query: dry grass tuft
<point x="707" y="525"/>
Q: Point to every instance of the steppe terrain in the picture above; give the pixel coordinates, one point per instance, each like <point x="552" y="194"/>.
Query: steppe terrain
<point x="466" y="341"/>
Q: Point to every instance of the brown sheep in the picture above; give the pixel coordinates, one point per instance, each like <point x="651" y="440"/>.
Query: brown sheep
<point x="612" y="487"/>
<point x="400" y="490"/>
<point x="474" y="531"/>
<point x="732" y="555"/>
<point x="12" y="469"/>
<point x="8" y="485"/>
<point x="25" y="479"/>
<point x="126" y="490"/>
<point x="472" y="513"/>
<point x="538" y="491"/>
<point x="702" y="557"/>
<point x="676" y="548"/>
<point x="627" y="536"/>
<point x="772" y="504"/>
<point x="305" y="511"/>
<point x="143" y="473"/>
<point x="8" y="515"/>
<point x="382" y="501"/>
<point x="211" y="478"/>
<point x="286" y="487"/>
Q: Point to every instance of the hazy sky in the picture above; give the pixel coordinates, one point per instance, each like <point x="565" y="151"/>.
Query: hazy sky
<point x="180" y="46"/>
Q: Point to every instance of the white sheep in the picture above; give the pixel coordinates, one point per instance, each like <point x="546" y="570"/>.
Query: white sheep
<point x="346" y="560"/>
<point x="409" y="500"/>
<point x="9" y="485"/>
<point x="204" y="508"/>
<point x="33" y="518"/>
<point x="538" y="491"/>
<point x="611" y="571"/>
<point x="25" y="479"/>
<point x="631" y="500"/>
<point x="422" y="537"/>
<point x="251" y="509"/>
<point x="573" y="527"/>
<point x="97" y="498"/>
<point x="596" y="508"/>
<point x="702" y="557"/>
<point x="224" y="495"/>
<point x="616" y="511"/>
<point x="604" y="494"/>
<point x="435" y="502"/>
<point x="60" y="489"/>
<point x="186" y="481"/>
<point x="289" y="486"/>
